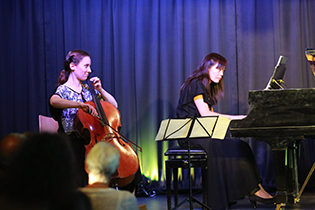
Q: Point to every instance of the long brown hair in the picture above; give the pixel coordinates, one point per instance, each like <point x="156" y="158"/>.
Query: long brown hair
<point x="74" y="56"/>
<point x="201" y="73"/>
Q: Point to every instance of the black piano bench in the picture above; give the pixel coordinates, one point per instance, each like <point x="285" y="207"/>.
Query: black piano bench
<point x="178" y="158"/>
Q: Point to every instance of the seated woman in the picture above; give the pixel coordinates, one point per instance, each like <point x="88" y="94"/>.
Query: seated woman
<point x="102" y="162"/>
<point x="233" y="172"/>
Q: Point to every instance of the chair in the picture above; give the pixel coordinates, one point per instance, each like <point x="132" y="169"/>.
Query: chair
<point x="178" y="158"/>
<point x="47" y="124"/>
<point x="143" y="207"/>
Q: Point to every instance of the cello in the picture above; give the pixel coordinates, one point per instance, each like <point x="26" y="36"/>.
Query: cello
<point x="105" y="127"/>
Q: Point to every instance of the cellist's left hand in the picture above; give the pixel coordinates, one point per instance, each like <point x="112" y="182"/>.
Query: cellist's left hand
<point x="97" y="83"/>
<point x="105" y="95"/>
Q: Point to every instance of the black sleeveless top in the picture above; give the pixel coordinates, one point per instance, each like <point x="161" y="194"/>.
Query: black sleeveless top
<point x="186" y="106"/>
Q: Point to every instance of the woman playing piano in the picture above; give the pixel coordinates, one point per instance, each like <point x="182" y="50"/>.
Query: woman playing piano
<point x="233" y="172"/>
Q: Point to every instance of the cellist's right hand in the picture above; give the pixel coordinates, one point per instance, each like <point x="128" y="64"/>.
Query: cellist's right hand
<point x="89" y="109"/>
<point x="61" y="103"/>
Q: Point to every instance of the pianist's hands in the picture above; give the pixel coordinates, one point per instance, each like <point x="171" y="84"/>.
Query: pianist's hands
<point x="237" y="117"/>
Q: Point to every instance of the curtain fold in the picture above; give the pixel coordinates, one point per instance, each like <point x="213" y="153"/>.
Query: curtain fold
<point x="143" y="51"/>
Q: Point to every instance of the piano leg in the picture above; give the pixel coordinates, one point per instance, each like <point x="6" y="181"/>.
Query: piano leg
<point x="280" y="207"/>
<point x="286" y="171"/>
<point x="281" y="197"/>
<point x="293" y="182"/>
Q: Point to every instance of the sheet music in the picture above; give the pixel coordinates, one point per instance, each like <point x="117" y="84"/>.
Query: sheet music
<point x="212" y="127"/>
<point x="173" y="129"/>
<point x="204" y="128"/>
<point x="221" y="127"/>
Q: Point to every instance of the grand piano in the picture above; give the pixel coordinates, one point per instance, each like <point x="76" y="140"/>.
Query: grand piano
<point x="282" y="118"/>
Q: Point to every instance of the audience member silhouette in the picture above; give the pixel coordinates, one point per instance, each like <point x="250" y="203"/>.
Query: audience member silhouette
<point x="71" y="200"/>
<point x="102" y="162"/>
<point x="8" y="145"/>
<point x="41" y="168"/>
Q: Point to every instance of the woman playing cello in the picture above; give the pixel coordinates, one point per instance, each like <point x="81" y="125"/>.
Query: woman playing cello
<point x="70" y="96"/>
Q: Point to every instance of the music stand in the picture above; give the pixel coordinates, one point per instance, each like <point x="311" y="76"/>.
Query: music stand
<point x="189" y="128"/>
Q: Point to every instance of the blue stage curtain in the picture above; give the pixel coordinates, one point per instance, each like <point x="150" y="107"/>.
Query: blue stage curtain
<point x="143" y="50"/>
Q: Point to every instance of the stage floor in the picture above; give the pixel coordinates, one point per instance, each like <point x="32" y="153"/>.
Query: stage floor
<point x="158" y="202"/>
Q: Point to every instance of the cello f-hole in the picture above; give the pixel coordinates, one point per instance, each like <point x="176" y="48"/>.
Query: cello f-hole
<point x="96" y="138"/>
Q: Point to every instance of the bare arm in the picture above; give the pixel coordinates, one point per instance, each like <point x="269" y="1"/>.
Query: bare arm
<point x="108" y="97"/>
<point x="204" y="110"/>
<point x="105" y="95"/>
<point x="61" y="103"/>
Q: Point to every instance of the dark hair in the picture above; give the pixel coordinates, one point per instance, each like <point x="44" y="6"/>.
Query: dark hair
<point x="42" y="166"/>
<point x="201" y="72"/>
<point x="74" y="56"/>
<point x="8" y="146"/>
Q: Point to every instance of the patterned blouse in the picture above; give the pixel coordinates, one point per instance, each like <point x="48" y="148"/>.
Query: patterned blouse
<point x="69" y="114"/>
